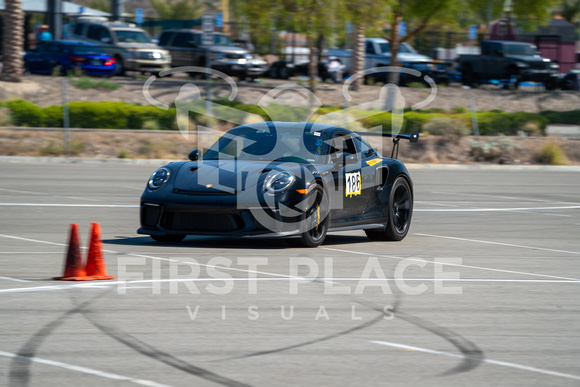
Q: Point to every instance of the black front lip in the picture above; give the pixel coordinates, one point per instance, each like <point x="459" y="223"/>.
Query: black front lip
<point x="170" y="219"/>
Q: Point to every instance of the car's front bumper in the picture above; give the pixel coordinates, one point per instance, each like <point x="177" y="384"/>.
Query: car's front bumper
<point x="165" y="219"/>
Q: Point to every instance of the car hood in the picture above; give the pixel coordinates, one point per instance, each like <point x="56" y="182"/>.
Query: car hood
<point x="140" y="45"/>
<point x="527" y="58"/>
<point x="209" y="177"/>
<point x="229" y="50"/>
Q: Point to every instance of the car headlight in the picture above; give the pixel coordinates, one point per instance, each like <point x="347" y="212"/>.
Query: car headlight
<point x="278" y="182"/>
<point x="159" y="178"/>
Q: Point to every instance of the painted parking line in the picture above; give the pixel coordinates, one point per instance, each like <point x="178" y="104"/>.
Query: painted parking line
<point x="497" y="209"/>
<point x="72" y="367"/>
<point x="421" y="260"/>
<point x="498" y="243"/>
<point x="488" y="361"/>
<point x="13" y="279"/>
<point x="48" y="195"/>
<point x="130" y="284"/>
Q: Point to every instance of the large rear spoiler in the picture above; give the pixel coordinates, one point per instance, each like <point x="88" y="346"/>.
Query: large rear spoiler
<point x="413" y="137"/>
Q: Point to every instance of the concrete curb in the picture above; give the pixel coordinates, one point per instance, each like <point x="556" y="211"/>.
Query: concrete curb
<point x="410" y="166"/>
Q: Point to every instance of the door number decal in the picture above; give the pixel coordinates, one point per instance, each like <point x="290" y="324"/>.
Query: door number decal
<point x="353" y="184"/>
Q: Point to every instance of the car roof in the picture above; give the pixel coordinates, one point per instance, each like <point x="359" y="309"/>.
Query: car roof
<point x="189" y="30"/>
<point x="313" y="127"/>
<point x="509" y="42"/>
<point x="74" y="43"/>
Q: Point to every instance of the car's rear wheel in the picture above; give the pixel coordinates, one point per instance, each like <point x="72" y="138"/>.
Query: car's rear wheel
<point x="399" y="215"/>
<point x="317" y="220"/>
<point x="168" y="238"/>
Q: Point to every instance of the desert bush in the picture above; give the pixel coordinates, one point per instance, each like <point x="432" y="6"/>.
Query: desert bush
<point x="57" y="148"/>
<point x="493" y="150"/>
<point x="530" y="123"/>
<point x="5" y="118"/>
<point x="551" y="153"/>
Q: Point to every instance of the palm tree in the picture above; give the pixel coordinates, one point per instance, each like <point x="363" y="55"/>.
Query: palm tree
<point x="13" y="41"/>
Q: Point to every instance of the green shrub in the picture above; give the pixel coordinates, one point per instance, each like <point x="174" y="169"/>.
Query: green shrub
<point x="53" y="117"/>
<point x="571" y="117"/>
<point x="444" y="126"/>
<point x="459" y="110"/>
<point x="493" y="124"/>
<point x="551" y="153"/>
<point x="85" y="83"/>
<point x="417" y="85"/>
<point x="25" y="113"/>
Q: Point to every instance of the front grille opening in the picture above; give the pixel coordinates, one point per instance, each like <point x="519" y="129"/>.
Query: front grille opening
<point x="201" y="222"/>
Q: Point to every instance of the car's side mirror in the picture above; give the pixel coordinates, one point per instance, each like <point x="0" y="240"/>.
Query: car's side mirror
<point x="192" y="44"/>
<point x="194" y="155"/>
<point x="350" y="159"/>
<point x="106" y="40"/>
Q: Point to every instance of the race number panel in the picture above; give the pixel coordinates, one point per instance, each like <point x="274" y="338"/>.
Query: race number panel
<point x="353" y="184"/>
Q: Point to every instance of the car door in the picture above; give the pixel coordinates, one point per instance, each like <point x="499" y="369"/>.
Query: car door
<point x="35" y="59"/>
<point x="354" y="177"/>
<point x="53" y="57"/>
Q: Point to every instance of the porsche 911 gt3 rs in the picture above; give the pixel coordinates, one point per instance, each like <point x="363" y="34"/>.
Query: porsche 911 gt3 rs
<point x="281" y="179"/>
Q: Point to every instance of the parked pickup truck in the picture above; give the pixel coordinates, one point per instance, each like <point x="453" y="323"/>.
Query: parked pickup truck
<point x="378" y="54"/>
<point x="511" y="62"/>
<point x="185" y="46"/>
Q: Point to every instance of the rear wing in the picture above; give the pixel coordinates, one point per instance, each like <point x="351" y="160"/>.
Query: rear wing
<point x="413" y="137"/>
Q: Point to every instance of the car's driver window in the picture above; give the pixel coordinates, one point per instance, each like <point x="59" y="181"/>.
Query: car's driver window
<point x="343" y="144"/>
<point x="365" y="149"/>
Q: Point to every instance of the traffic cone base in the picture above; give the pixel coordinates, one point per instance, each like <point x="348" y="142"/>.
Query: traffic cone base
<point x="95" y="269"/>
<point x="73" y="269"/>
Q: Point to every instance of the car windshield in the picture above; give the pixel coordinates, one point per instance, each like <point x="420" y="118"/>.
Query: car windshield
<point x="222" y="40"/>
<point x="82" y="49"/>
<point x="269" y="144"/>
<point x="403" y="48"/>
<point x="519" y="49"/>
<point x="132" y="36"/>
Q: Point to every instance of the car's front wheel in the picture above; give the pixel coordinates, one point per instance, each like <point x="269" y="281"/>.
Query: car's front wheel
<point x="316" y="218"/>
<point x="168" y="238"/>
<point x="399" y="215"/>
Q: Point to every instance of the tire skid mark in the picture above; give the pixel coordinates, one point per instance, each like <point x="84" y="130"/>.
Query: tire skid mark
<point x="19" y="372"/>
<point x="155" y="354"/>
<point x="163" y="357"/>
<point x="304" y="344"/>
<point x="472" y="354"/>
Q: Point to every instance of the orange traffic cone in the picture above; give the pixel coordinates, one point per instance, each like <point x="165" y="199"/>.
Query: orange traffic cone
<point x="95" y="263"/>
<point x="73" y="269"/>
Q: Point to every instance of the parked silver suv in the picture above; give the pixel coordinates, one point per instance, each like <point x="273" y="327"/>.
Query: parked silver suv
<point x="131" y="46"/>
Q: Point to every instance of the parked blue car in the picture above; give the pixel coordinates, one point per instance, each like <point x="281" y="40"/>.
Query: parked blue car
<point x="66" y="55"/>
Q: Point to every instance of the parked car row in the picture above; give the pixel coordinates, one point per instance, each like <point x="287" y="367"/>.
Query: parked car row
<point x="99" y="47"/>
<point x="129" y="48"/>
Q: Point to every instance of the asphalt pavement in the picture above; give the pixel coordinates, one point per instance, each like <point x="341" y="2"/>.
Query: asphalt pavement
<point x="483" y="291"/>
